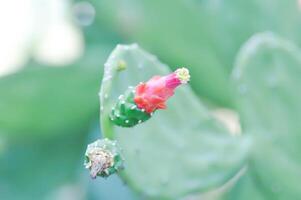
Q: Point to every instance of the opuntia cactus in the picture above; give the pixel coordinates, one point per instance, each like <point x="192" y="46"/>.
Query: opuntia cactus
<point x="267" y="78"/>
<point x="138" y="104"/>
<point x="181" y="150"/>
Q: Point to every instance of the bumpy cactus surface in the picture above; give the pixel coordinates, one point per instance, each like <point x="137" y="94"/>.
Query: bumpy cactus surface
<point x="126" y="113"/>
<point x="179" y="151"/>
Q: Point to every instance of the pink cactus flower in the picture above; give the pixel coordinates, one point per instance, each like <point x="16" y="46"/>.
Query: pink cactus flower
<point x="153" y="94"/>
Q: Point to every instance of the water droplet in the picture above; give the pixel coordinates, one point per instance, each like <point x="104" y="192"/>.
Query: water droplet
<point x="84" y="13"/>
<point x="120" y="97"/>
<point x="106" y="96"/>
<point x="101" y="108"/>
<point x="127" y="121"/>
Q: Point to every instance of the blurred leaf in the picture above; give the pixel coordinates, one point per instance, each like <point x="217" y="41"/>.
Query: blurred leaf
<point x="267" y="77"/>
<point x="234" y="21"/>
<point x="44" y="101"/>
<point x="180" y="150"/>
<point x="203" y="35"/>
<point x="32" y="170"/>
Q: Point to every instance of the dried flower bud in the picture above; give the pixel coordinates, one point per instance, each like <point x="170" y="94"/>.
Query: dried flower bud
<point x="103" y="158"/>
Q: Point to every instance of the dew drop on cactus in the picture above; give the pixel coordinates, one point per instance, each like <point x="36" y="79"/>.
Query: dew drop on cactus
<point x="138" y="104"/>
<point x="103" y="158"/>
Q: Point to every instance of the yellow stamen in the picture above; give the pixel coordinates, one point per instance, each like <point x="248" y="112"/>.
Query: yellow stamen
<point x="183" y="75"/>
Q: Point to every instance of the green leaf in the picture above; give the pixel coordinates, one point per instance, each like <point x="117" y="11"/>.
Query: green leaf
<point x="34" y="169"/>
<point x="234" y="21"/>
<point x="43" y="101"/>
<point x="180" y="150"/>
<point x="267" y="78"/>
<point x="47" y="101"/>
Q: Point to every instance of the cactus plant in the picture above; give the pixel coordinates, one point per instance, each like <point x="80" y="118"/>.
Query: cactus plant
<point x="267" y="78"/>
<point x="181" y="150"/>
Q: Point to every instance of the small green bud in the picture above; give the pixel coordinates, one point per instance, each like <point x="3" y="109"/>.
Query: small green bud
<point x="121" y="65"/>
<point x="103" y="158"/>
<point x="126" y="113"/>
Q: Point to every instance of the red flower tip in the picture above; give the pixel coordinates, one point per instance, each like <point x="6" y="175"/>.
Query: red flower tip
<point x="153" y="94"/>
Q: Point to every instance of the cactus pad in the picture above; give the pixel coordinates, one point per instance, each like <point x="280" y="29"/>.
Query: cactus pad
<point x="179" y="151"/>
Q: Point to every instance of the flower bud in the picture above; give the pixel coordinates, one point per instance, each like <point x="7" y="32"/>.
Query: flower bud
<point x="153" y="94"/>
<point x="138" y="105"/>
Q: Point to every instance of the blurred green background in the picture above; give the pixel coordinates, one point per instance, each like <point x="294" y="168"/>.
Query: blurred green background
<point x="51" y="63"/>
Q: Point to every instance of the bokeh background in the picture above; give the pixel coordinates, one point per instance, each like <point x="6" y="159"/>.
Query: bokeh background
<point x="51" y="61"/>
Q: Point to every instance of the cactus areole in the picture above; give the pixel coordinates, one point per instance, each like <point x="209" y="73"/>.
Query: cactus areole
<point x="138" y="104"/>
<point x="103" y="158"/>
